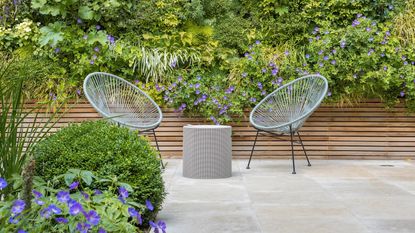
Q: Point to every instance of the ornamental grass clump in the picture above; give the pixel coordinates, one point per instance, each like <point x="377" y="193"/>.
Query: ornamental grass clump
<point x="109" y="151"/>
<point x="76" y="207"/>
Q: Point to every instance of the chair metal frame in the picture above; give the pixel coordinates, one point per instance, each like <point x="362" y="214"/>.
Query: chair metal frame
<point x="288" y="127"/>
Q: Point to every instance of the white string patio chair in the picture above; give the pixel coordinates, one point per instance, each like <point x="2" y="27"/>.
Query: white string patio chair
<point x="285" y="110"/>
<point x="123" y="103"/>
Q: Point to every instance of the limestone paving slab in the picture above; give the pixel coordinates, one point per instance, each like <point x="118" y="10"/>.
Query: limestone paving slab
<point x="332" y="196"/>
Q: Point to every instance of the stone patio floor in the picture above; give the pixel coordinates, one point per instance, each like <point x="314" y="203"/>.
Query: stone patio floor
<point x="332" y="196"/>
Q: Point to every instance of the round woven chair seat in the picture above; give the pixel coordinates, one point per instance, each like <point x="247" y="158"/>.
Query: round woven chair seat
<point x="122" y="102"/>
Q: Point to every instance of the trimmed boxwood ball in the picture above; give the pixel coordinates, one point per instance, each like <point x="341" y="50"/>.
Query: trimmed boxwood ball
<point x="108" y="150"/>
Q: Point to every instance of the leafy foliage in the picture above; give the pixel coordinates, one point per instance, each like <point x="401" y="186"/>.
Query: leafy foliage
<point x="107" y="150"/>
<point x="73" y="207"/>
<point x="156" y="41"/>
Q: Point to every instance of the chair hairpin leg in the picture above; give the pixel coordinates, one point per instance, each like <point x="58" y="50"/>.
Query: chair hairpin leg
<point x="292" y="148"/>
<point x="252" y="151"/>
<point x="158" y="149"/>
<point x="301" y="142"/>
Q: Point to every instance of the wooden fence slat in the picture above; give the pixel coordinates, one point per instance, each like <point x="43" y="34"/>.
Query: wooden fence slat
<point x="362" y="131"/>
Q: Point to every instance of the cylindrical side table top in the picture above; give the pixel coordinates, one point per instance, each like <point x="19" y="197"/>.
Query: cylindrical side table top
<point x="207" y="151"/>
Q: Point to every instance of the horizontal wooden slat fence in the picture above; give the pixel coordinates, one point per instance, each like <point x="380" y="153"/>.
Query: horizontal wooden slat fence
<point x="364" y="131"/>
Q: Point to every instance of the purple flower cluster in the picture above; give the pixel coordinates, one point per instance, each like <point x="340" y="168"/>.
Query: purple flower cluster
<point x="135" y="214"/>
<point x="214" y="120"/>
<point x="159" y="227"/>
<point x="182" y="107"/>
<point x="38" y="197"/>
<point x="123" y="194"/>
<point x="111" y="39"/>
<point x="49" y="211"/>
<point x="3" y="183"/>
<point x="201" y="99"/>
<point x="229" y="90"/>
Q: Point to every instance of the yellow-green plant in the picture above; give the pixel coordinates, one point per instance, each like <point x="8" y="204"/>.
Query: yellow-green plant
<point x="17" y="134"/>
<point x="404" y="24"/>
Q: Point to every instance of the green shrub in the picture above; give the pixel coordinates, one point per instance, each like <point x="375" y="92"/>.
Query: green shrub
<point x="108" y="150"/>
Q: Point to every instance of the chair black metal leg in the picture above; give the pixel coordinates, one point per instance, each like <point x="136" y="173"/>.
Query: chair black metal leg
<point x="252" y="151"/>
<point x="157" y="145"/>
<point x="292" y="148"/>
<point x="301" y="141"/>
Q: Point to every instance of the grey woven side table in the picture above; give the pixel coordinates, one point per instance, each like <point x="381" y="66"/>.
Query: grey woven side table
<point x="207" y="151"/>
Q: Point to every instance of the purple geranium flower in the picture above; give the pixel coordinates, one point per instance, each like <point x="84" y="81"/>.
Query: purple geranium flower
<point x="123" y="192"/>
<point x="329" y="93"/>
<point x="83" y="227"/>
<point x="402" y="94"/>
<point x="57" y="50"/>
<point x="74" y="185"/>
<point x="21" y="231"/>
<point x="149" y="205"/>
<point x="46" y="213"/>
<point x="18" y="206"/>
<point x="159" y="227"/>
<point x="61" y="220"/>
<point x="96" y="49"/>
<point x="257" y="42"/>
<point x="54" y="209"/>
<point x="79" y="21"/>
<point x="197" y="85"/>
<point x="307" y="56"/>
<point x="135" y="214"/>
<point x="355" y="23"/>
<point x="274" y="71"/>
<point x="244" y="75"/>
<point x="3" y="183"/>
<point x="92" y="217"/>
<point x="14" y="219"/>
<point x="75" y="208"/>
<point x="326" y="58"/>
<point x="39" y="202"/>
<point x="102" y="230"/>
<point x="333" y="62"/>
<point x="98" y="27"/>
<point x="385" y="68"/>
<point x="260" y="85"/>
<point x="370" y="52"/>
<point x="63" y="196"/>
<point x="214" y="120"/>
<point x="342" y="44"/>
<point x="286" y="52"/>
<point x="37" y="194"/>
